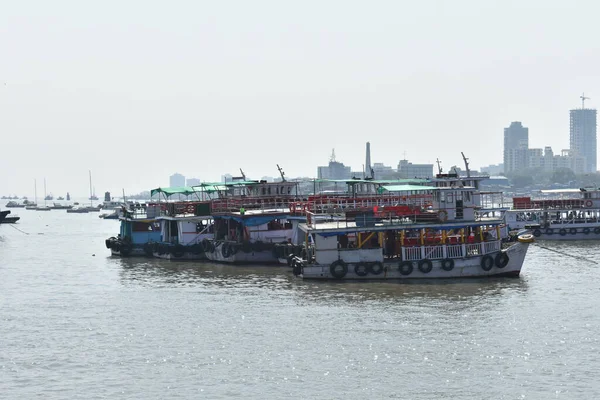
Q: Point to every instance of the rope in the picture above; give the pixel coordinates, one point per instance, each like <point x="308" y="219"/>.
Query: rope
<point x="567" y="254"/>
<point x="14" y="227"/>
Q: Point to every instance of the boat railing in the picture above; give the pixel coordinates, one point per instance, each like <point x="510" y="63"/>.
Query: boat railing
<point x="440" y="252"/>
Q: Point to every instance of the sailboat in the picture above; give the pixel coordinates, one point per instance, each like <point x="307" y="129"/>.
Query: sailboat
<point x="45" y="207"/>
<point x="33" y="205"/>
<point x="92" y="196"/>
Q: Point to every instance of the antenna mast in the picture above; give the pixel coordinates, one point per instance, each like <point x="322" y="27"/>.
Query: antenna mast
<point x="281" y="173"/>
<point x="332" y="158"/>
<point x="439" y="164"/>
<point x="466" y="160"/>
<point x="583" y="99"/>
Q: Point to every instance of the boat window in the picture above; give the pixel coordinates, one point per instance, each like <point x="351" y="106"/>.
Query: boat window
<point x="442" y="197"/>
<point x="264" y="191"/>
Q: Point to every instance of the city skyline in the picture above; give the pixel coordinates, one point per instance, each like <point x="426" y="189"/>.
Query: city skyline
<point x="215" y="88"/>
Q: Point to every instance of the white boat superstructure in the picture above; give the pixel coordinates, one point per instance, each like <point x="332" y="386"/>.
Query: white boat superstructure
<point x="568" y="214"/>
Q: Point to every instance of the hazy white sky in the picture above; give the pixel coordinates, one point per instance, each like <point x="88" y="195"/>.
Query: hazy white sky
<point x="137" y="90"/>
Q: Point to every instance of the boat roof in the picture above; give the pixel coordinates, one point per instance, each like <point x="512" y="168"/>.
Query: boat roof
<point x="343" y="227"/>
<point x="566" y="190"/>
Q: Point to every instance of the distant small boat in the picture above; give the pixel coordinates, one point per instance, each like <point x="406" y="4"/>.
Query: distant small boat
<point x="3" y="215"/>
<point x="49" y="197"/>
<point x="14" y="204"/>
<point x="60" y="198"/>
<point x="78" y="210"/>
<point x="57" y="206"/>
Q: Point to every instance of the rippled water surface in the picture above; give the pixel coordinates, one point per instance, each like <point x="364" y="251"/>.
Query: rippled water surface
<point x="77" y="323"/>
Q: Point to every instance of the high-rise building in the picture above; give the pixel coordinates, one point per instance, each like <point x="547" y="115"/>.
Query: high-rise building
<point x="409" y="170"/>
<point x="334" y="170"/>
<point x="582" y="138"/>
<point x="177" y="180"/>
<point x="516" y="145"/>
<point x="192" y="182"/>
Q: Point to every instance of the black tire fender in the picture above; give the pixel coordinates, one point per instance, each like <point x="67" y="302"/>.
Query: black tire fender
<point x="447" y="264"/>
<point x="425" y="266"/>
<point x="405" y="268"/>
<point x="338" y="269"/>
<point x="361" y="269"/>
<point x="501" y="259"/>
<point x="487" y="262"/>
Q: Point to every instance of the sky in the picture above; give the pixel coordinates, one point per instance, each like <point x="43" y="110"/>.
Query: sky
<point x="137" y="90"/>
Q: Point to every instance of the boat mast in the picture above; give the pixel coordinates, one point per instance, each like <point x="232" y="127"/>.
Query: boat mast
<point x="35" y="190"/>
<point x="91" y="198"/>
<point x="44" y="192"/>
<point x="466" y="160"/>
<point x="281" y="173"/>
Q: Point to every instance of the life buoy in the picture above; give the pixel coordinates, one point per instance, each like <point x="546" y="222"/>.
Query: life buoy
<point x="361" y="269"/>
<point x="562" y="232"/>
<point x="573" y="231"/>
<point x="338" y="269"/>
<point x="501" y="259"/>
<point x="206" y="245"/>
<point x="425" y="266"/>
<point x="537" y="233"/>
<point x="487" y="262"/>
<point x="376" y="268"/>
<point x="549" y="231"/>
<point x="589" y="203"/>
<point x="405" y="268"/>
<point x="447" y="264"/>
<point x="443" y="215"/>
<point x="586" y="231"/>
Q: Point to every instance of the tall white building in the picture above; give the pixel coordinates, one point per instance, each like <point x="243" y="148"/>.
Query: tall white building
<point x="582" y="137"/>
<point x="516" y="145"/>
<point x="176" y="180"/>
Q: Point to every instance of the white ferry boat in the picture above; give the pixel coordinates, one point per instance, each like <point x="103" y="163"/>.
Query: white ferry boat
<point x="565" y="214"/>
<point x="451" y="238"/>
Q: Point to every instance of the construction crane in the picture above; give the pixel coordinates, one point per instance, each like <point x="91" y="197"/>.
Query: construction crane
<point x="243" y="175"/>
<point x="439" y="164"/>
<point x="583" y="99"/>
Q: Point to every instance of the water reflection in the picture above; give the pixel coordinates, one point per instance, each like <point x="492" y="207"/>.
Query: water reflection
<point x="161" y="273"/>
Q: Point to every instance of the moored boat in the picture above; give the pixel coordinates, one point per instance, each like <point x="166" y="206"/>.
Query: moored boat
<point x="573" y="215"/>
<point x="137" y="234"/>
<point x="451" y="238"/>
